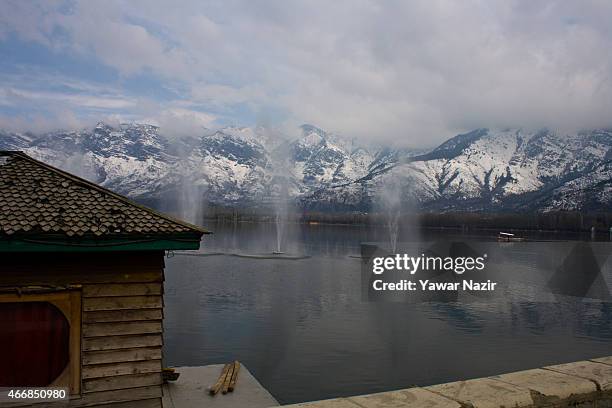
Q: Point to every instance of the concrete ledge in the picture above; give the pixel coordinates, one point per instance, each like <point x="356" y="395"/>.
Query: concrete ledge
<point x="410" y="398"/>
<point x="599" y="373"/>
<point x="604" y="360"/>
<point x="485" y="393"/>
<point x="584" y="384"/>
<point x="332" y="403"/>
<point x="550" y="386"/>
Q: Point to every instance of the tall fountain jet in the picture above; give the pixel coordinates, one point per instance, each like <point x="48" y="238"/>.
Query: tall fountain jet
<point x="281" y="209"/>
<point x="390" y="203"/>
<point x="393" y="227"/>
<point x="191" y="200"/>
<point x="281" y="203"/>
<point x="280" y="228"/>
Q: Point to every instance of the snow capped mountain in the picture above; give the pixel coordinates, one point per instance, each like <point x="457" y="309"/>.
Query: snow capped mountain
<point x="14" y="141"/>
<point x="323" y="159"/>
<point x="130" y="159"/>
<point x="500" y="170"/>
<point x="482" y="170"/>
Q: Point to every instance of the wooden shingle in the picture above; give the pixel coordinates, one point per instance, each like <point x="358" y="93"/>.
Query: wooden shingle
<point x="38" y="200"/>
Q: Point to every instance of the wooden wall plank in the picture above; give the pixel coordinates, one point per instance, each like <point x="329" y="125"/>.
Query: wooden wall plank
<point x="119" y="356"/>
<point x="121" y="329"/>
<point x="121" y="342"/>
<point x="119" y="382"/>
<point x="57" y="404"/>
<point x="78" y="402"/>
<point x="148" y="403"/>
<point x="122" y="302"/>
<point x="124" y="315"/>
<point x="128" y="394"/>
<point x="132" y="367"/>
<point x="136" y="289"/>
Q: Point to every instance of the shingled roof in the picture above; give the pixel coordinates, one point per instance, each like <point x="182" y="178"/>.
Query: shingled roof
<point x="38" y="201"/>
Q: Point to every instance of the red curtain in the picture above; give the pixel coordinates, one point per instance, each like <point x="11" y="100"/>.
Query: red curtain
<point x="34" y="344"/>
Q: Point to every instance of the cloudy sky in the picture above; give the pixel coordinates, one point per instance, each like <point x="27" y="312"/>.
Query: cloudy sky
<point x="410" y="71"/>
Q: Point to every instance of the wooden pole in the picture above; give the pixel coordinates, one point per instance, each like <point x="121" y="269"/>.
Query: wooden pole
<point x="228" y="377"/>
<point x="217" y="386"/>
<point x="232" y="383"/>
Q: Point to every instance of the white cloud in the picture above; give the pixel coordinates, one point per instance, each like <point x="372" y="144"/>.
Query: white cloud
<point x="22" y="96"/>
<point x="179" y="122"/>
<point x="55" y="119"/>
<point x="410" y="71"/>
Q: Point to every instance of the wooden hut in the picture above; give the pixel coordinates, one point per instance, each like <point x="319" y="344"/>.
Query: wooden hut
<point x="81" y="286"/>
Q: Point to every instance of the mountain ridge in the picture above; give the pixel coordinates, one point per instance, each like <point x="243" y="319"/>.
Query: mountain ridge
<point x="480" y="170"/>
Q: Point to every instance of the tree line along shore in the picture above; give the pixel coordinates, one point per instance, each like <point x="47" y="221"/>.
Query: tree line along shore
<point x="561" y="221"/>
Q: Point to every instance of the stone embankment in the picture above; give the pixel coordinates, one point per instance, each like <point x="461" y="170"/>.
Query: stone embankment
<point x="583" y="384"/>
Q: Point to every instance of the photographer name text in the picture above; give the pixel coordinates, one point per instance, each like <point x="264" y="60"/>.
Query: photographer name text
<point x="413" y="264"/>
<point x="426" y="285"/>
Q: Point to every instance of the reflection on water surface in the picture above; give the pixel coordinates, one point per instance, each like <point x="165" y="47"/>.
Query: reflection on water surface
<point x="302" y="328"/>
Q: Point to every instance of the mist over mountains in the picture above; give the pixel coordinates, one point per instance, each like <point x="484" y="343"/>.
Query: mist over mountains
<point x="482" y="170"/>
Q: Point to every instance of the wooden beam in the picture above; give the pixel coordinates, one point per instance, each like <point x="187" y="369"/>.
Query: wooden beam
<point x="216" y="387"/>
<point x="121" y="329"/>
<point x="119" y="356"/>
<point x="121" y="342"/>
<point x="131" y="367"/>
<point x="128" y="394"/>
<point x="119" y="382"/>
<point x="137" y="289"/>
<point x="122" y="302"/>
<point x="148" y="403"/>
<point x="124" y="315"/>
<point x="234" y="378"/>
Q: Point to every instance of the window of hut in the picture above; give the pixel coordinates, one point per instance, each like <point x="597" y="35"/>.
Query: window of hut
<point x="40" y="340"/>
<point x="34" y="335"/>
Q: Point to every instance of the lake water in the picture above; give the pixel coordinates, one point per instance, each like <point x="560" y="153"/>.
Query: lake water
<point x="303" y="330"/>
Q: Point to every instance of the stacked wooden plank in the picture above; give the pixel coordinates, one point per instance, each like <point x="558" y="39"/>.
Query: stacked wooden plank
<point x="227" y="380"/>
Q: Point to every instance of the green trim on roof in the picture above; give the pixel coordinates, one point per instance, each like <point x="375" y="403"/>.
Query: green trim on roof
<point x="26" y="245"/>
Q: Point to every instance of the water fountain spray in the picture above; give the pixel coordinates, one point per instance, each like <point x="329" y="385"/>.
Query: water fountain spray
<point x="191" y="200"/>
<point x="390" y="199"/>
<point x="281" y="209"/>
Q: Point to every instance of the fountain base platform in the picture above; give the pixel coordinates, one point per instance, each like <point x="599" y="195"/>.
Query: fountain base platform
<point x="200" y="253"/>
<point x="273" y="255"/>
